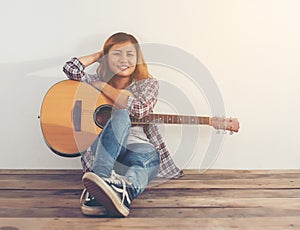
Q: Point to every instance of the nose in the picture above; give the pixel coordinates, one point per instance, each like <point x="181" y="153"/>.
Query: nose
<point x="123" y="57"/>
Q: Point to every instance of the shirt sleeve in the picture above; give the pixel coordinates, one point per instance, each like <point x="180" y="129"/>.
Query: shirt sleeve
<point x="75" y="70"/>
<point x="144" y="98"/>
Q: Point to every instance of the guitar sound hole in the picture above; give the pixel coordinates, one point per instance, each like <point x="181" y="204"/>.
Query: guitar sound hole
<point x="102" y="115"/>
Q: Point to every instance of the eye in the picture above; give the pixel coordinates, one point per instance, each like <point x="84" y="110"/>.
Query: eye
<point x="130" y="54"/>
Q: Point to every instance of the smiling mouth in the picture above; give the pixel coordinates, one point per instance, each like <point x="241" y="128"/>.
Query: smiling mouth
<point x="123" y="67"/>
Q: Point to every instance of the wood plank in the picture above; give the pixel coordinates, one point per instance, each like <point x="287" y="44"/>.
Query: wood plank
<point x="211" y="212"/>
<point x="40" y="212"/>
<point x="74" y="182"/>
<point x="40" y="171"/>
<point x="239" y="171"/>
<point x="40" y="184"/>
<point x="186" y="171"/>
<point x="184" y="202"/>
<point x="195" y="184"/>
<point x="161" y="202"/>
<point x="38" y="202"/>
<point x="237" y="183"/>
<point x="37" y="177"/>
<point x="20" y="194"/>
<point x="210" y="192"/>
<point x="246" y="176"/>
<point x="162" y="193"/>
<point x="148" y="223"/>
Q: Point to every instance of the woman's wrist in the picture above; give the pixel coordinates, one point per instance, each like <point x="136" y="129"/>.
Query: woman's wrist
<point x="99" y="85"/>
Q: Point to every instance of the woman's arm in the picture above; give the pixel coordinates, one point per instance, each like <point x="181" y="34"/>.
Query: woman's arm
<point x="119" y="97"/>
<point x="139" y="103"/>
<point x="74" y="69"/>
<point x="90" y="59"/>
<point x="142" y="103"/>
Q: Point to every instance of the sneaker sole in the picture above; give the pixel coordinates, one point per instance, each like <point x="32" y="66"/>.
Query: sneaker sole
<point x="88" y="211"/>
<point x="104" y="194"/>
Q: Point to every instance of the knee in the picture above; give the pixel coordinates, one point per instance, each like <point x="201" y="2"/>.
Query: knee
<point x="147" y="160"/>
<point x="154" y="161"/>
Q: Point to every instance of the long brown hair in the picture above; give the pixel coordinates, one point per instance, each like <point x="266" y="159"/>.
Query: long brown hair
<point x="141" y="69"/>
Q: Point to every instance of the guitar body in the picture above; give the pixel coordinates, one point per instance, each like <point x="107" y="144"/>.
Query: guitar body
<point x="69" y="116"/>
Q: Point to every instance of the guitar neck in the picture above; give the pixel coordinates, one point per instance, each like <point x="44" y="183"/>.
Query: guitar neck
<point x="172" y="119"/>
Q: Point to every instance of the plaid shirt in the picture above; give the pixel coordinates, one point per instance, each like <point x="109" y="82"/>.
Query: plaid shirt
<point x="139" y="105"/>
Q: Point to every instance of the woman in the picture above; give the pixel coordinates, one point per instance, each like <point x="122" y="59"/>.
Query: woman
<point x="124" y="158"/>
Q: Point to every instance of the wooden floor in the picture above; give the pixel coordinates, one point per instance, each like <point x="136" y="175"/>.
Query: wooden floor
<point x="47" y="199"/>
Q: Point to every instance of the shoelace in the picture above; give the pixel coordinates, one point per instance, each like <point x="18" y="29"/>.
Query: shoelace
<point x="119" y="180"/>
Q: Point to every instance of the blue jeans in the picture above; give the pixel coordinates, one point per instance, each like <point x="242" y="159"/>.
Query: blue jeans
<point x="139" y="162"/>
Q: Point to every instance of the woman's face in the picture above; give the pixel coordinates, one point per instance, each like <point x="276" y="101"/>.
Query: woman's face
<point x="122" y="59"/>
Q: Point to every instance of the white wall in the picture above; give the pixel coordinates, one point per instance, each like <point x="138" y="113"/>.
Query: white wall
<point x="251" y="48"/>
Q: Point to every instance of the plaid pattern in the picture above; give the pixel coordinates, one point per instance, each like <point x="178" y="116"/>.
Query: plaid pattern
<point x="74" y="70"/>
<point x="142" y="102"/>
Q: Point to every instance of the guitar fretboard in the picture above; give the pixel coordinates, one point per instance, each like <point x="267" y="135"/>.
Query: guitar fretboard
<point x="171" y="119"/>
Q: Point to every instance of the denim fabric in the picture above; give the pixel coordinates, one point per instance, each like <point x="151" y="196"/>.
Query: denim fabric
<point x="138" y="162"/>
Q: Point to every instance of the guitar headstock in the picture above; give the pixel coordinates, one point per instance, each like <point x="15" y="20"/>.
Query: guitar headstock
<point x="222" y="123"/>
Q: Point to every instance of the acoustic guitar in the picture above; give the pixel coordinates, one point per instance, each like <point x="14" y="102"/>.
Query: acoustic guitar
<point x="74" y="113"/>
